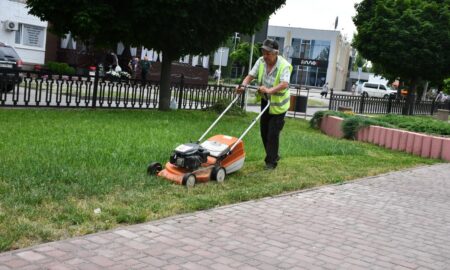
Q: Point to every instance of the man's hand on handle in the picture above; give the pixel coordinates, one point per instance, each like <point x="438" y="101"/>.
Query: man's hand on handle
<point x="263" y="90"/>
<point x="240" y="88"/>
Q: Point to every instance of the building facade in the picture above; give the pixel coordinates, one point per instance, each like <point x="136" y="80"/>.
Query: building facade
<point x="317" y="56"/>
<point x="26" y="33"/>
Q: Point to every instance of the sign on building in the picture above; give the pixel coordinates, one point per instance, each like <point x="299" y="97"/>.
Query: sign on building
<point x="221" y="56"/>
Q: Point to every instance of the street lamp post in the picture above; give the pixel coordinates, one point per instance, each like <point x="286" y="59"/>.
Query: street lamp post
<point x="220" y="66"/>
<point x="250" y="66"/>
<point x="251" y="53"/>
<point x="235" y="37"/>
<point x="359" y="77"/>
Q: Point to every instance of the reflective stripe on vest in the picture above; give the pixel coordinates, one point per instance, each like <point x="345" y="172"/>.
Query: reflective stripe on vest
<point x="280" y="101"/>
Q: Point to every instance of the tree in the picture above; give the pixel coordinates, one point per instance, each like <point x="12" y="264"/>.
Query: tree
<point x="409" y="39"/>
<point x="241" y="55"/>
<point x="446" y="86"/>
<point x="360" y="62"/>
<point x="175" y="28"/>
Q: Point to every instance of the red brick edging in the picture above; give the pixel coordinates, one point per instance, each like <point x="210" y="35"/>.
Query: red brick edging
<point x="419" y="144"/>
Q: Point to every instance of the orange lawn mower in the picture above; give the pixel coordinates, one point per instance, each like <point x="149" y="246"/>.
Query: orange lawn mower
<point x="212" y="159"/>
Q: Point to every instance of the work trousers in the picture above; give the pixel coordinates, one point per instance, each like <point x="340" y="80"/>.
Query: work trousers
<point x="271" y="126"/>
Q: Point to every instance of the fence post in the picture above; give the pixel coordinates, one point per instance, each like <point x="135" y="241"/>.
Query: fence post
<point x="361" y="105"/>
<point x="412" y="103"/>
<point x="180" y="94"/>
<point x="389" y="106"/>
<point x="95" y="92"/>
<point x="331" y="99"/>
<point x="432" y="107"/>
<point x="243" y="96"/>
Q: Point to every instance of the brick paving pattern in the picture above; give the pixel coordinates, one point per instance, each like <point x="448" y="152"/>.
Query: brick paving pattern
<point x="399" y="220"/>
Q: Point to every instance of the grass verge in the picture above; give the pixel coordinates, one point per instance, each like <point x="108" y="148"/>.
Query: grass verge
<point x="58" y="166"/>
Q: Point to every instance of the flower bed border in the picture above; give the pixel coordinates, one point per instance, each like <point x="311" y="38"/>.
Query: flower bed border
<point x="424" y="145"/>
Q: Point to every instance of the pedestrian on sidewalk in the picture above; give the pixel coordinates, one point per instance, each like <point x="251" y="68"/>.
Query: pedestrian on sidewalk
<point x="273" y="73"/>
<point x="133" y="66"/>
<point x="324" y="92"/>
<point x="145" y="67"/>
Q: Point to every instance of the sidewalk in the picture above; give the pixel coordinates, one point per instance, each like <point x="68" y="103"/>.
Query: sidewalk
<point x="398" y="220"/>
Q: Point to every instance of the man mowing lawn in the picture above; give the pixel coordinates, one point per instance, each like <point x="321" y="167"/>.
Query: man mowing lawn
<point x="273" y="73"/>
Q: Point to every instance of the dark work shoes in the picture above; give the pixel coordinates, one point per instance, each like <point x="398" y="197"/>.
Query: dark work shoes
<point x="270" y="166"/>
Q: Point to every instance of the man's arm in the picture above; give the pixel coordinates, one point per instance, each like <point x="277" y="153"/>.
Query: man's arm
<point x="248" y="80"/>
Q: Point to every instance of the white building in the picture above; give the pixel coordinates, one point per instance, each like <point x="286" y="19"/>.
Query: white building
<point x="318" y="56"/>
<point x="26" y="33"/>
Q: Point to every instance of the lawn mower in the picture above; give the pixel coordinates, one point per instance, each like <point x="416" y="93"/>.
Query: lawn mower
<point x="211" y="159"/>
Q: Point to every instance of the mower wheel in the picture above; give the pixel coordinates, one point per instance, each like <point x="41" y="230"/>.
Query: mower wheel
<point x="218" y="174"/>
<point x="154" y="168"/>
<point x="189" y="180"/>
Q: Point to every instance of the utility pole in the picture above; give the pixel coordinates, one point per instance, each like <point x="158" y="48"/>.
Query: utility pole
<point x="251" y="53"/>
<point x="250" y="66"/>
<point x="220" y="65"/>
<point x="235" y="37"/>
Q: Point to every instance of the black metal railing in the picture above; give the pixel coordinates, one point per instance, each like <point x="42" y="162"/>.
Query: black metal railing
<point x="392" y="104"/>
<point x="39" y="89"/>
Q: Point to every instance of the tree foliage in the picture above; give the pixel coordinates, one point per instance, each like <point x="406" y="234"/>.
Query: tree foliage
<point x="241" y="55"/>
<point x="175" y="28"/>
<point x="360" y="62"/>
<point x="446" y="86"/>
<point x="405" y="38"/>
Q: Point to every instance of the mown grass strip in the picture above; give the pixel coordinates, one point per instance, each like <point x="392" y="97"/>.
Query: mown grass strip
<point x="58" y="166"/>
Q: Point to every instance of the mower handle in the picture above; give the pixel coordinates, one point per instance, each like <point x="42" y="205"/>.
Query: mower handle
<point x="218" y="118"/>
<point x="253" y="123"/>
<point x="254" y="87"/>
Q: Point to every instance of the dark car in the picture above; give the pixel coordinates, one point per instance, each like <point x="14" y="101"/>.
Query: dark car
<point x="9" y="61"/>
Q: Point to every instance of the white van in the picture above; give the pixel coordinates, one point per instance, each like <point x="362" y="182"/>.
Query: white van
<point x="370" y="89"/>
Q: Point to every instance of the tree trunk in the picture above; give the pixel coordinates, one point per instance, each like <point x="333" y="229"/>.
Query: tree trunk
<point x="409" y="105"/>
<point x="164" y="90"/>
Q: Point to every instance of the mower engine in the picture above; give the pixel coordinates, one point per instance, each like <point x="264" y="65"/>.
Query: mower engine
<point x="189" y="156"/>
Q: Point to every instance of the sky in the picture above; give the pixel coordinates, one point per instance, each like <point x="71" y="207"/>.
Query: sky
<point x="317" y="14"/>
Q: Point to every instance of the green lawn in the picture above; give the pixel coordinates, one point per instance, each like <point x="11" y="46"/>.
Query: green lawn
<point x="57" y="166"/>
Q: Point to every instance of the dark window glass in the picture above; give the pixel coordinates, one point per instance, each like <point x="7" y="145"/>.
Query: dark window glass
<point x="296" y="47"/>
<point x="371" y="85"/>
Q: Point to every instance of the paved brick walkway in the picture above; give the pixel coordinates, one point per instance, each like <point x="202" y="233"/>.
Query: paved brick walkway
<point x="399" y="220"/>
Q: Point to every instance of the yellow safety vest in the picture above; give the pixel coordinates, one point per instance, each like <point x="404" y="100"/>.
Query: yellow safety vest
<point x="280" y="101"/>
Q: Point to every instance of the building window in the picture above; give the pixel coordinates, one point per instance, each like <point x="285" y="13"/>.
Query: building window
<point x="320" y="49"/>
<point x="308" y="75"/>
<point x="310" y="61"/>
<point x="296" y="46"/>
<point x="30" y="35"/>
<point x="305" y="49"/>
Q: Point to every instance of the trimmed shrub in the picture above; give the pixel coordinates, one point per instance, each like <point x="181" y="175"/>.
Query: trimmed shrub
<point x="60" y="68"/>
<point x="317" y="117"/>
<point x="423" y="124"/>
<point x="351" y="125"/>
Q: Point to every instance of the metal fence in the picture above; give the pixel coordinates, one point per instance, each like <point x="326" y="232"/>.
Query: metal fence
<point x="38" y="89"/>
<point x="394" y="105"/>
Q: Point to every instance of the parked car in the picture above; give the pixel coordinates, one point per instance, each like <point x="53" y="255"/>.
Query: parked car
<point x="9" y="61"/>
<point x="370" y="89"/>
